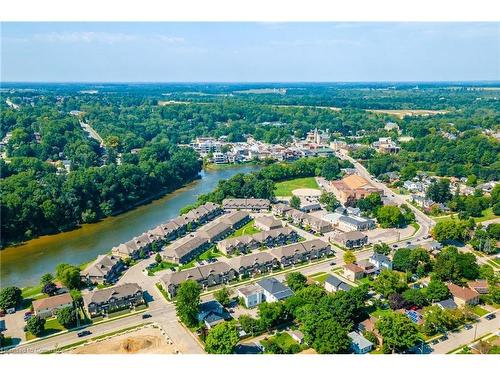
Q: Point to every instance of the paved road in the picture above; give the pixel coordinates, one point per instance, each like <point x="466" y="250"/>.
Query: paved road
<point x="464" y="337"/>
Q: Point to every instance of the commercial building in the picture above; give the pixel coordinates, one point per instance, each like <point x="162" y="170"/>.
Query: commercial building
<point x="352" y="188"/>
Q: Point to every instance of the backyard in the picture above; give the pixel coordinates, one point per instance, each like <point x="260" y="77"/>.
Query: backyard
<point x="285" y="188"/>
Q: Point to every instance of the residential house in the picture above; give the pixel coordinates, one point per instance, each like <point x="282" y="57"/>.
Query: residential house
<point x="206" y="276"/>
<point x="247" y="243"/>
<point x="249" y="204"/>
<point x="334" y="284"/>
<point x="253" y="264"/>
<point x="280" y="209"/>
<point x="267" y="223"/>
<point x="447" y="304"/>
<point x="273" y="290"/>
<point x="215" y="231"/>
<point x="105" y="269"/>
<point x="369" y="325"/>
<point x="359" y="344"/>
<point x="184" y="250"/>
<point x="133" y="248"/>
<point x="297" y="336"/>
<point x="251" y="294"/>
<point x="301" y="252"/>
<point x="381" y="261"/>
<point x="203" y="214"/>
<point x="236" y="219"/>
<point x="368" y="267"/>
<point x="118" y="297"/>
<point x="317" y="225"/>
<point x="353" y="272"/>
<point x="351" y="240"/>
<point x="211" y="313"/>
<point x="463" y="296"/>
<point x="47" y="307"/>
<point x="480" y="286"/>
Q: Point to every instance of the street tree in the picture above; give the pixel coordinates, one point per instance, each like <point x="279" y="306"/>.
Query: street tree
<point x="223" y="296"/>
<point x="36" y="326"/>
<point x="188" y="302"/>
<point x="222" y="339"/>
<point x="349" y="257"/>
<point x="296" y="281"/>
<point x="398" y="332"/>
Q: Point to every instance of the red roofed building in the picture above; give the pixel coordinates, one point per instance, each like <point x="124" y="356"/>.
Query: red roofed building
<point x="463" y="296"/>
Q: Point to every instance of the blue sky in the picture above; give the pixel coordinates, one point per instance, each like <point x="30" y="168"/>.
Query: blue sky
<point x="254" y="52"/>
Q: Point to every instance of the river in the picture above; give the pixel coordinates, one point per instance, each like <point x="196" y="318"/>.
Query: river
<point x="23" y="265"/>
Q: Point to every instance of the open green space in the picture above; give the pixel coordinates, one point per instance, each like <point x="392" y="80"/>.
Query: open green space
<point x="160" y="267"/>
<point x="284" y="341"/>
<point x="208" y="254"/>
<point x="487" y="215"/>
<point x="246" y="229"/>
<point x="51" y="326"/>
<point x="285" y="188"/>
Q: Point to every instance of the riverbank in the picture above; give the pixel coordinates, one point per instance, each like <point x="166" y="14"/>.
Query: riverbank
<point x="23" y="265"/>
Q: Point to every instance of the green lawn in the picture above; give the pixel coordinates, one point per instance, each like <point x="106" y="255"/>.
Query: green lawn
<point x="246" y="229"/>
<point x="283" y="340"/>
<point x="487" y="215"/>
<point x="379" y="313"/>
<point x="210" y="253"/>
<point x="160" y="266"/>
<point x="320" y="277"/>
<point x="51" y="326"/>
<point x="31" y="291"/>
<point x="479" y="311"/>
<point x="285" y="188"/>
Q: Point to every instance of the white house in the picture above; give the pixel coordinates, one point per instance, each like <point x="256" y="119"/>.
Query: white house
<point x="359" y="344"/>
<point x="381" y="261"/>
<point x="252" y="295"/>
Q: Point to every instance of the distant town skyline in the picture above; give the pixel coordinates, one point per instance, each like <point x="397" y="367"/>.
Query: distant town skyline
<point x="250" y="52"/>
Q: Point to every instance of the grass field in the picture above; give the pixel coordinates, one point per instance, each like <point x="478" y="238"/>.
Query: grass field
<point x="210" y="253"/>
<point x="487" y="215"/>
<point x="246" y="229"/>
<point x="285" y="188"/>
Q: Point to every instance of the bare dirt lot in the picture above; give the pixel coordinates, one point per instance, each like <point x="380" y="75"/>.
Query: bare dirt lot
<point x="147" y="340"/>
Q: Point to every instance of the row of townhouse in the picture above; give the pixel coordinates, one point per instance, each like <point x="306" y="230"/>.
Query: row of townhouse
<point x="302" y="219"/>
<point x="247" y="243"/>
<point x="115" y="298"/>
<point x="189" y="247"/>
<point x="248" y="204"/>
<point x="247" y="266"/>
<point x="105" y="269"/>
<point x="167" y="232"/>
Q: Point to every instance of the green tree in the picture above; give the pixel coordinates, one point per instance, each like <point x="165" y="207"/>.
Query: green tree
<point x="10" y="297"/>
<point x="223" y="296"/>
<point x="188" y="302"/>
<point x="46" y="278"/>
<point x="439" y="191"/>
<point x="390" y="217"/>
<point x="271" y="314"/>
<point x="36" y="325"/>
<point x="389" y="282"/>
<point x="296" y="281"/>
<point x="295" y="202"/>
<point x="67" y="317"/>
<point x="451" y="230"/>
<point x="382" y="248"/>
<point x="331" y="338"/>
<point x="451" y="265"/>
<point x="158" y="258"/>
<point x="331" y="169"/>
<point x="49" y="288"/>
<point x="436" y="291"/>
<point x="68" y="275"/>
<point x="415" y="297"/>
<point x="398" y="332"/>
<point x="222" y="339"/>
<point x="250" y="325"/>
<point x="349" y="257"/>
<point x="329" y="201"/>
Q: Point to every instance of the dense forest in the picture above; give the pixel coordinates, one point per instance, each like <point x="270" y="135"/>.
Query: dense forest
<point x="142" y="126"/>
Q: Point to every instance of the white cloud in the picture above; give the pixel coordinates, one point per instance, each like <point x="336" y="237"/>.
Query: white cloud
<point x="84" y="37"/>
<point x="168" y="39"/>
<point x="318" y="42"/>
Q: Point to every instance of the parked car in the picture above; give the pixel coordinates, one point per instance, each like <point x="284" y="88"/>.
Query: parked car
<point x="146" y="316"/>
<point x="490" y="316"/>
<point x="435" y="342"/>
<point x="443" y="338"/>
<point x="2" y="313"/>
<point x="332" y="263"/>
<point x="84" y="333"/>
<point x="467" y="326"/>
